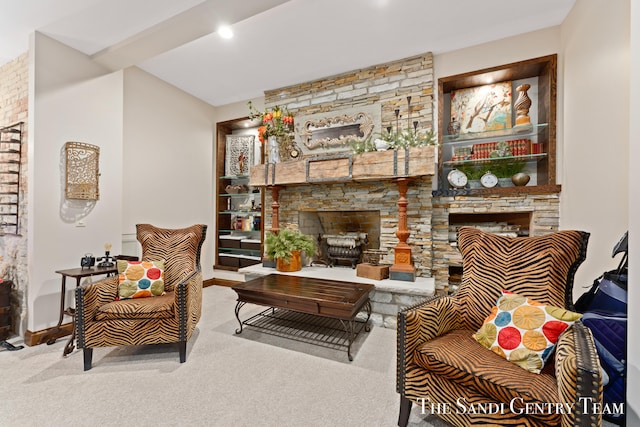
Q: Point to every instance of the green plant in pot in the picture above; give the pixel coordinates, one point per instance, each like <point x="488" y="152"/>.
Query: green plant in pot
<point x="505" y="169"/>
<point x="287" y="246"/>
<point x="473" y="173"/>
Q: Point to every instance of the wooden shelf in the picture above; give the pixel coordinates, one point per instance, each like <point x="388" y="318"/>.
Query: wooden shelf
<point x="376" y="165"/>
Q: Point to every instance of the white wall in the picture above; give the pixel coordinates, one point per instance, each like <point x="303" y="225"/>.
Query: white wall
<point x="237" y="110"/>
<point x="167" y="158"/>
<point x="633" y="345"/>
<point x="71" y="99"/>
<point x="595" y="184"/>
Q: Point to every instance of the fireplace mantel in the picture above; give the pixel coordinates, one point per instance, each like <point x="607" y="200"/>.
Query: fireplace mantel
<point x="377" y="165"/>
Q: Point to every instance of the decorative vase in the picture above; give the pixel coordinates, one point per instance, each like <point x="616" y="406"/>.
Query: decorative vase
<point x="273" y="149"/>
<point x="294" y="264"/>
<point x="522" y="105"/>
<point x="454" y="128"/>
<point x="520" y="179"/>
<point x="381" y="144"/>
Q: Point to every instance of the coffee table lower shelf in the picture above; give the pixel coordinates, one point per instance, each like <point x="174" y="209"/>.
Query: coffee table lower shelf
<point x="308" y="328"/>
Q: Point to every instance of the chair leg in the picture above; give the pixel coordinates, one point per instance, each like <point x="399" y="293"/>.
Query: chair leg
<point x="182" y="345"/>
<point x="88" y="355"/>
<point x="405" y="410"/>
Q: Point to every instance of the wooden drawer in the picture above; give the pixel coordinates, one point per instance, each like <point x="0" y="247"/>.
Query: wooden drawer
<point x="250" y="244"/>
<point x="229" y="261"/>
<point x="232" y="242"/>
<point x="246" y="262"/>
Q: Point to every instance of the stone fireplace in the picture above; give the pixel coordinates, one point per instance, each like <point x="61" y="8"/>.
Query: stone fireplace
<point x="370" y="206"/>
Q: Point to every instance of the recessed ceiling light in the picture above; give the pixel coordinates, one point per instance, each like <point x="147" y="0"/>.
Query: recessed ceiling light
<point x="225" y="32"/>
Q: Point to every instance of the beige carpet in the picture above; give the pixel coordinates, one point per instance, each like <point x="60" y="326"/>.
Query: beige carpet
<point x="251" y="379"/>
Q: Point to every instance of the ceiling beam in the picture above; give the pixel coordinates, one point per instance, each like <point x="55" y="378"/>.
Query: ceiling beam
<point x="183" y="28"/>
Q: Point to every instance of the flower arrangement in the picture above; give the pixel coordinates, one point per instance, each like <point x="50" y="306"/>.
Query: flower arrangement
<point x="276" y="121"/>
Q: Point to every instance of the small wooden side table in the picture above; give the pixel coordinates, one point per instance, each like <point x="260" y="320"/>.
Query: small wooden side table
<point x="78" y="274"/>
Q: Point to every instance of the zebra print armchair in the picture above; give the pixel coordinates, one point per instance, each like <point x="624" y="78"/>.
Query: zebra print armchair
<point x="441" y="366"/>
<point x="102" y="320"/>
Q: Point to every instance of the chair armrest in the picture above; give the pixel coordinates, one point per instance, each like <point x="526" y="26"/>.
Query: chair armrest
<point x="419" y="324"/>
<point x="96" y="294"/>
<point x="188" y="294"/>
<point x="578" y="374"/>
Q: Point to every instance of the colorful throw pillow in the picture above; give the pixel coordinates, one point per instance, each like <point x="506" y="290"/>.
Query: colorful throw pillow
<point x="524" y="331"/>
<point x="140" y="279"/>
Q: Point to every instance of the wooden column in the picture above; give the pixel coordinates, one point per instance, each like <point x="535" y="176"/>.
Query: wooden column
<point x="402" y="269"/>
<point x="275" y="207"/>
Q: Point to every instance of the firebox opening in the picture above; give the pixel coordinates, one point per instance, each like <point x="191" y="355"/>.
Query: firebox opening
<point x="364" y="225"/>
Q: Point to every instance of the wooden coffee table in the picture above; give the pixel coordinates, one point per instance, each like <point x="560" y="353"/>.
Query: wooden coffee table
<point x="318" y="311"/>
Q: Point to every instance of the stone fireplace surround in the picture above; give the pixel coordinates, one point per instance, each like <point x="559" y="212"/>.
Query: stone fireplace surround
<point x="378" y="196"/>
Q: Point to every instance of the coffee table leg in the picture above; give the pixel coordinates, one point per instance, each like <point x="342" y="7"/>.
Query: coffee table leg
<point x="349" y="330"/>
<point x="367" y="306"/>
<point x="238" y="307"/>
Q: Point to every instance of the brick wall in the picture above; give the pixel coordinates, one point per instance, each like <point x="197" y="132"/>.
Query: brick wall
<point x="14" y="91"/>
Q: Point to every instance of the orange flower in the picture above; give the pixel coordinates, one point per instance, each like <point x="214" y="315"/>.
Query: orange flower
<point x="276" y="121"/>
<point x="261" y="131"/>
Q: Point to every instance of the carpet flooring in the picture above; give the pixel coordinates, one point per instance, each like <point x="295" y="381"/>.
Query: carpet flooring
<point x="251" y="379"/>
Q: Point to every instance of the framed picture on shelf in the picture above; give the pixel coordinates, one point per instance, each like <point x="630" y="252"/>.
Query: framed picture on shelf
<point x="239" y="154"/>
<point x="482" y="108"/>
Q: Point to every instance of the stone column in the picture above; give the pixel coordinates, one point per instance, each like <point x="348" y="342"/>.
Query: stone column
<point x="403" y="268"/>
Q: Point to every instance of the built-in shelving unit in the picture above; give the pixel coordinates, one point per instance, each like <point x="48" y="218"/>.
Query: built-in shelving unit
<point x="10" y="163"/>
<point x="536" y="139"/>
<point x="239" y="230"/>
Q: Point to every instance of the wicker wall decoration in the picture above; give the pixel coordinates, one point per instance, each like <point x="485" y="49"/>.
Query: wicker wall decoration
<point x="81" y="171"/>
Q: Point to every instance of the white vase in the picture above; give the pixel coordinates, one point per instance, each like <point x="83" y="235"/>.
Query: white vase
<point x="381" y="144"/>
<point x="274" y="149"/>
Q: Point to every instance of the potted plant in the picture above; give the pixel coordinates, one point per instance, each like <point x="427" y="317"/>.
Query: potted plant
<point x="505" y="169"/>
<point x="473" y="173"/>
<point x="286" y="247"/>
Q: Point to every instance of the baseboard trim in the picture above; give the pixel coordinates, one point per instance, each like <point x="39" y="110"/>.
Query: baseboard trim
<point x="208" y="282"/>
<point x="227" y="283"/>
<point x="35" y="338"/>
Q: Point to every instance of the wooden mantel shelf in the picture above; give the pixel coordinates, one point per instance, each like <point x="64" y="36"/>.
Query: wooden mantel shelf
<point x="344" y="167"/>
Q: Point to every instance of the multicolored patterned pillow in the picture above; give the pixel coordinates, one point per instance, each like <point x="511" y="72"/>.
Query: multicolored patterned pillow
<point x="140" y="279"/>
<point x="524" y="331"/>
